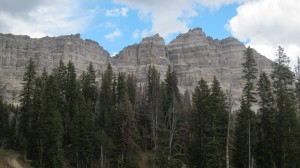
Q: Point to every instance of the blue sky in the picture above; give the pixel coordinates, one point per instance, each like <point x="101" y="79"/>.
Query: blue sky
<point x="106" y="22"/>
<point x="115" y="24"/>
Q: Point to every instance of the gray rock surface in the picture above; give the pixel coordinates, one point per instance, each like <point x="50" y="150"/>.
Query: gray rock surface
<point x="192" y="55"/>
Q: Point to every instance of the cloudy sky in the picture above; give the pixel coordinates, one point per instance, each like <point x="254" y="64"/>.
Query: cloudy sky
<point x="262" y="24"/>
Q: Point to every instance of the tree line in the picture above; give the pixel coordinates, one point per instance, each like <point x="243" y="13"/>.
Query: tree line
<point x="65" y="120"/>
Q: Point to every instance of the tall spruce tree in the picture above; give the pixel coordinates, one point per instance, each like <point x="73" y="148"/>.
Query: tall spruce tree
<point x="72" y="91"/>
<point x="89" y="85"/>
<point x="218" y="121"/>
<point x="82" y="133"/>
<point x="131" y="89"/>
<point x="200" y="111"/>
<point x="153" y="97"/>
<point x="26" y="101"/>
<point x="246" y="117"/>
<point x="52" y="125"/>
<point x="4" y="124"/>
<point x="104" y="116"/>
<point x="297" y="84"/>
<point x="266" y="129"/>
<point x="286" y="117"/>
<point x="60" y="73"/>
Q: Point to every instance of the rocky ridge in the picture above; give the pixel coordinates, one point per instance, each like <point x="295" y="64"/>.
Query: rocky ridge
<point x="192" y="55"/>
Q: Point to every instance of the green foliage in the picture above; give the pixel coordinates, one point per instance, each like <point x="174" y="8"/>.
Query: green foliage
<point x="4" y="125"/>
<point x="287" y="124"/>
<point x="83" y="134"/>
<point x="209" y="126"/>
<point x="71" y="121"/>
<point x="52" y="125"/>
<point x="26" y="101"/>
<point x="245" y="130"/>
<point x="89" y="85"/>
<point x="245" y="127"/>
<point x="200" y="112"/>
<point x="266" y="124"/>
<point x="249" y="74"/>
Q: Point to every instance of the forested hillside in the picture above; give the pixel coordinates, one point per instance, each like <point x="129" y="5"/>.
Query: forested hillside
<point x="67" y="119"/>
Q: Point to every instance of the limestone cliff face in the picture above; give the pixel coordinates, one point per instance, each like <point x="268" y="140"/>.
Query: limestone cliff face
<point x="15" y="52"/>
<point x="192" y="55"/>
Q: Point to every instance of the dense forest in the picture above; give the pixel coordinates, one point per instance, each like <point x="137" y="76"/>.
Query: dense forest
<point x="69" y="120"/>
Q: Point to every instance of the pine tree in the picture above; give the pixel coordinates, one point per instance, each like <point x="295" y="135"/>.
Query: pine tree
<point x="89" y="85"/>
<point x="82" y="133"/>
<point x="51" y="126"/>
<point x="37" y="137"/>
<point x="60" y="73"/>
<point x="297" y="84"/>
<point x="131" y="89"/>
<point x="121" y="88"/>
<point x="152" y="97"/>
<point x="200" y="111"/>
<point x="26" y="100"/>
<point x="286" y="117"/>
<point x="249" y="74"/>
<point x="241" y="143"/>
<point x="246" y="115"/>
<point x="104" y="116"/>
<point x="129" y="135"/>
<point x="218" y="121"/>
<point x="266" y="124"/>
<point x="72" y="90"/>
<point x="4" y="124"/>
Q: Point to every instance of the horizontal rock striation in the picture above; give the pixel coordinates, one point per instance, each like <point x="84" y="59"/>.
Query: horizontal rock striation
<point x="191" y="55"/>
<point x="15" y="52"/>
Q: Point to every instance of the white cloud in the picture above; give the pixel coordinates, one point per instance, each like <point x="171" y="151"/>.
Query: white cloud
<point x="169" y="17"/>
<point x="114" y="54"/>
<point x="216" y="4"/>
<point x="113" y="35"/>
<point x="38" y="18"/>
<point x="265" y="24"/>
<point x="135" y="34"/>
<point x="107" y="25"/>
<point x="146" y="33"/>
<point x="117" y="12"/>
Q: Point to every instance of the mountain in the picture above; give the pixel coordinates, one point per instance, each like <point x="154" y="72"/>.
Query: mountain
<point x="192" y="55"/>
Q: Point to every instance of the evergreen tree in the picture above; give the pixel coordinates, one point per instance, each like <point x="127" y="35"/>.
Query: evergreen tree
<point x="60" y="73"/>
<point x="152" y="96"/>
<point x="217" y="132"/>
<point x="129" y="135"/>
<point x="26" y="100"/>
<point x="89" y="85"/>
<point x="104" y="116"/>
<point x="4" y="124"/>
<point x="297" y="83"/>
<point x="246" y="116"/>
<point x="266" y="124"/>
<point x="199" y="128"/>
<point x="82" y="134"/>
<point x="51" y="126"/>
<point x="249" y="74"/>
<point x="131" y="89"/>
<point x="121" y="88"/>
<point x="72" y="90"/>
<point x="37" y="137"/>
<point x="286" y="117"/>
<point x="241" y="143"/>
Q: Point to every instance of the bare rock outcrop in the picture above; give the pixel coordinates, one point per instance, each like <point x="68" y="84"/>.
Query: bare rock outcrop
<point x="15" y="52"/>
<point x="191" y="55"/>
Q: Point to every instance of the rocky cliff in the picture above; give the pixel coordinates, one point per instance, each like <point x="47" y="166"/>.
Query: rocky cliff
<point x="192" y="55"/>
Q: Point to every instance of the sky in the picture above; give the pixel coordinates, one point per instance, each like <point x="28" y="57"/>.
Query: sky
<point x="115" y="24"/>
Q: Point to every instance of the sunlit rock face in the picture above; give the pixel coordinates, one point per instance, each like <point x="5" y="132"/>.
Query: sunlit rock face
<point x="191" y="55"/>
